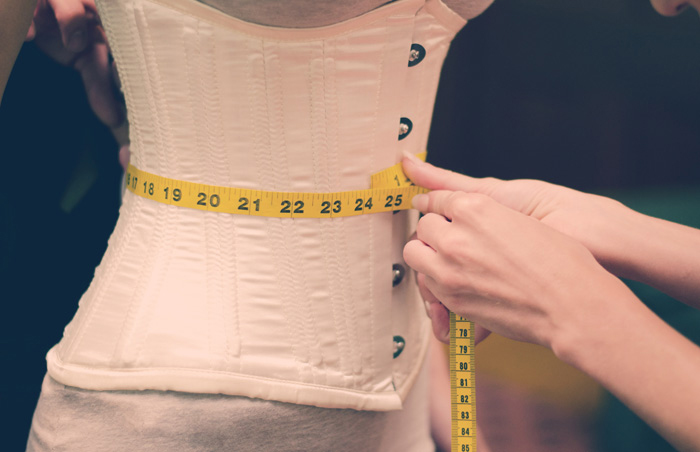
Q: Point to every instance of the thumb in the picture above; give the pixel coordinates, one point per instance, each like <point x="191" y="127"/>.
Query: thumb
<point x="426" y="175"/>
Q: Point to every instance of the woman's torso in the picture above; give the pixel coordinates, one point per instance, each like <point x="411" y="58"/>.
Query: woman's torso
<point x="301" y="311"/>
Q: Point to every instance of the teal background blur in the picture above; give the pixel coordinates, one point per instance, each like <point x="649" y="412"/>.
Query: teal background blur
<point x="599" y="95"/>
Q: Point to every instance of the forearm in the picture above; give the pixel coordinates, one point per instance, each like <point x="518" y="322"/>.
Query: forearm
<point x="15" y="17"/>
<point x="649" y="366"/>
<point x="659" y="253"/>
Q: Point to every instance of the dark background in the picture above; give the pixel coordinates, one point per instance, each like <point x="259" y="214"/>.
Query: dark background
<point x="595" y="94"/>
<point x="599" y="95"/>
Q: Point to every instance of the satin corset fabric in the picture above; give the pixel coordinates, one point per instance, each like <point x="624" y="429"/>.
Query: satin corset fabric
<point x="293" y="310"/>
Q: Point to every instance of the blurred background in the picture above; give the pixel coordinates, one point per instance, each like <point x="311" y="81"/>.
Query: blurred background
<point x="598" y="95"/>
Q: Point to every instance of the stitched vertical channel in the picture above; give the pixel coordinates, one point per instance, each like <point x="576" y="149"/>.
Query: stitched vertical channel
<point x="295" y="295"/>
<point x="220" y="291"/>
<point x="141" y="308"/>
<point x="226" y="224"/>
<point x="323" y="155"/>
<point x="375" y="218"/>
<point x="199" y="116"/>
<point x="260" y="118"/>
<point x="340" y="231"/>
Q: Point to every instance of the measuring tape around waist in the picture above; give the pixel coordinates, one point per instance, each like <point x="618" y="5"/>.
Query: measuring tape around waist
<point x="390" y="190"/>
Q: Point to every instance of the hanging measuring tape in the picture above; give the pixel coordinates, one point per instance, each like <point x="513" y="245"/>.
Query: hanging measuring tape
<point x="462" y="384"/>
<point x="390" y="191"/>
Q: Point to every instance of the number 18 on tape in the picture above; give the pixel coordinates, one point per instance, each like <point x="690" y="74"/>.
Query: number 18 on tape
<point x="462" y="384"/>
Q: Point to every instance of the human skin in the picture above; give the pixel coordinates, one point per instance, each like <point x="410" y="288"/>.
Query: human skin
<point x="534" y="262"/>
<point x="624" y="360"/>
<point x="15" y="17"/>
<point x="674" y="7"/>
<point x="15" y="8"/>
<point x="69" y="32"/>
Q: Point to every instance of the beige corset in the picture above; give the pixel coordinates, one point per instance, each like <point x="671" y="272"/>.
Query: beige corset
<point x="309" y="311"/>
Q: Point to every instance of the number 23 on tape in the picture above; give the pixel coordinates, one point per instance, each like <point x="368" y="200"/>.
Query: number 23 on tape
<point x="269" y="203"/>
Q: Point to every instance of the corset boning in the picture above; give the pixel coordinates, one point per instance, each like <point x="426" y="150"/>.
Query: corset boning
<point x="296" y="310"/>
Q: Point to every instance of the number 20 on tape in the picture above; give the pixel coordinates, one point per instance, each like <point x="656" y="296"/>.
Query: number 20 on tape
<point x="269" y="203"/>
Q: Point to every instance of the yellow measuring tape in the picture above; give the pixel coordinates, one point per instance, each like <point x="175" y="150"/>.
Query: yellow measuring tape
<point x="462" y="384"/>
<point x="390" y="191"/>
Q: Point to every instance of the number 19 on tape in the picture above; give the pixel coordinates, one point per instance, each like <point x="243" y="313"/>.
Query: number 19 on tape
<point x="462" y="384"/>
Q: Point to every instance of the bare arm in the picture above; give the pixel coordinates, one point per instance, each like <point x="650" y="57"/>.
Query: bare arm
<point x="15" y="17"/>
<point x="523" y="259"/>
<point x="645" y="363"/>
<point x="659" y="253"/>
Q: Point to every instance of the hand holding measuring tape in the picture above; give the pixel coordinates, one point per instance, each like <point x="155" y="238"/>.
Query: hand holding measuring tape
<point x="494" y="265"/>
<point x="526" y="259"/>
<point x="509" y="272"/>
<point x="584" y="217"/>
<point x="506" y="271"/>
<point x="439" y="314"/>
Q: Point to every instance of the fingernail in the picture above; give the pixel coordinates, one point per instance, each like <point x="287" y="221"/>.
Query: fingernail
<point x="427" y="309"/>
<point x="76" y="43"/>
<point x="420" y="202"/>
<point x="412" y="158"/>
